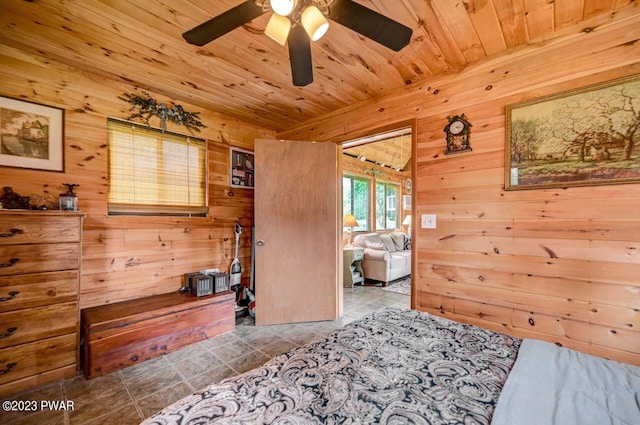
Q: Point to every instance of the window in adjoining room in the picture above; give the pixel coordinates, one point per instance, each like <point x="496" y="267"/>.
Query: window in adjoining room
<point x="387" y="206"/>
<point x="155" y="173"/>
<point x="355" y="200"/>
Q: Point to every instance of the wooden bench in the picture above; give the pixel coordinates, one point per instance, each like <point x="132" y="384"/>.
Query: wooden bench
<point x="122" y="334"/>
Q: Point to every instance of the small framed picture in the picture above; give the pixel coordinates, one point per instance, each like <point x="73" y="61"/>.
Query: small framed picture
<point x="406" y="202"/>
<point x="31" y="135"/>
<point x="242" y="171"/>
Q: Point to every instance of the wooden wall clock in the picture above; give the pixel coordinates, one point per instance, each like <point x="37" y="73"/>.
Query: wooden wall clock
<point x="457" y="131"/>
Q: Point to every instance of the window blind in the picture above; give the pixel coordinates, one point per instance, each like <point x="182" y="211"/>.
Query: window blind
<point x="155" y="173"/>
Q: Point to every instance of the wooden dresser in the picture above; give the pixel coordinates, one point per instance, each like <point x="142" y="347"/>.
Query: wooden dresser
<point x="40" y="257"/>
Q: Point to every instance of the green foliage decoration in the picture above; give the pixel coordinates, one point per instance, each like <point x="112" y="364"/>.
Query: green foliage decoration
<point x="144" y="107"/>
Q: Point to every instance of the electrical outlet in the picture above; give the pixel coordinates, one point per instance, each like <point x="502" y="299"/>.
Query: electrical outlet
<point x="209" y="271"/>
<point x="428" y="221"/>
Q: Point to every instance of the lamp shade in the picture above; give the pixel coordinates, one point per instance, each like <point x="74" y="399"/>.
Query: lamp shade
<point x="283" y="7"/>
<point x="278" y="28"/>
<point x="314" y="23"/>
<point x="349" y="221"/>
<point x="407" y="220"/>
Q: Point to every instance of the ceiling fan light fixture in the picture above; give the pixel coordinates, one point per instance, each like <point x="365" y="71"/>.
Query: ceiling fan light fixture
<point x="314" y="23"/>
<point x="283" y="7"/>
<point x="278" y="28"/>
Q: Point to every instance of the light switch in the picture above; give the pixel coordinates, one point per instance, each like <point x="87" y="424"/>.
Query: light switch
<point x="428" y="221"/>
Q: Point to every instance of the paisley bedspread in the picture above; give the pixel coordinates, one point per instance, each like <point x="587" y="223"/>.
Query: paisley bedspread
<point x="391" y="367"/>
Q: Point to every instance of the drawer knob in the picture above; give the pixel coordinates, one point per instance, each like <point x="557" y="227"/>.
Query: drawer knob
<point x="8" y="368"/>
<point x="10" y="331"/>
<point x="11" y="233"/>
<point x="11" y="262"/>
<point x="11" y="296"/>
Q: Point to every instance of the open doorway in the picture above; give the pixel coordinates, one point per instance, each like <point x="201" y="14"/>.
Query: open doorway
<point x="377" y="190"/>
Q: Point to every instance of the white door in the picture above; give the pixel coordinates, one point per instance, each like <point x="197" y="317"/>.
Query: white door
<point x="297" y="255"/>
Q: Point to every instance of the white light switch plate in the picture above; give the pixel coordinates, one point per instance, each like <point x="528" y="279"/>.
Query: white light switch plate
<point x="428" y="221"/>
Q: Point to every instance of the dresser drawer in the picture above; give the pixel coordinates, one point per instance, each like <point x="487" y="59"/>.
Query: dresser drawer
<point x="37" y="357"/>
<point x="18" y="259"/>
<point x="358" y="254"/>
<point x="38" y="289"/>
<point x="22" y="326"/>
<point x="23" y="228"/>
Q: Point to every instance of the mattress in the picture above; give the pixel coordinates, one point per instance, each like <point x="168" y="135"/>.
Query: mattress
<point x="394" y="366"/>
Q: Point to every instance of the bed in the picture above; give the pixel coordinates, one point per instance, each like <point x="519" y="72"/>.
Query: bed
<point x="394" y="366"/>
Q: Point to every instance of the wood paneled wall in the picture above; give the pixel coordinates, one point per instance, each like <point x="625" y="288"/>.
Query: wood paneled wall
<point x="128" y="257"/>
<point x="489" y="261"/>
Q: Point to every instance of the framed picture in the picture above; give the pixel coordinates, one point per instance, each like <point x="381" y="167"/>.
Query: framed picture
<point x="406" y="202"/>
<point x="241" y="168"/>
<point x="587" y="136"/>
<point x="31" y="135"/>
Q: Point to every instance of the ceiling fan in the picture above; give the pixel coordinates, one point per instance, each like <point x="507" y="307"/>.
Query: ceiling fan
<point x="300" y="21"/>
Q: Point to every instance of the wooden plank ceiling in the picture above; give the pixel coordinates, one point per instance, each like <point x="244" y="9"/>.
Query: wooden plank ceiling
<point x="246" y="75"/>
<point x="392" y="149"/>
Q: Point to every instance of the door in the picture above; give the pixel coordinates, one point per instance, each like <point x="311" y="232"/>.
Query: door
<point x="297" y="255"/>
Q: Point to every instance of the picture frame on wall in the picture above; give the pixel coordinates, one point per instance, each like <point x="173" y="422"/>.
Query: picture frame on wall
<point x="242" y="171"/>
<point x="406" y="202"/>
<point x="582" y="137"/>
<point x="31" y="135"/>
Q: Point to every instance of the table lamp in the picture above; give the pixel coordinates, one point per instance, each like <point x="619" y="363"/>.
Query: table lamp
<point x="349" y="221"/>
<point x="407" y="222"/>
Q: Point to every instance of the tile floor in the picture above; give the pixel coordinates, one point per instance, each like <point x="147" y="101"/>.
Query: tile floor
<point x="129" y="395"/>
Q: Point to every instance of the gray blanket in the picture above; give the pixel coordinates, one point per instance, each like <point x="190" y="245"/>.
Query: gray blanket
<point x="392" y="367"/>
<point x="553" y="385"/>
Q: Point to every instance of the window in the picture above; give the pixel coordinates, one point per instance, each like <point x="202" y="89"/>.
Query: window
<point x="386" y="206"/>
<point x="355" y="200"/>
<point x="155" y="173"/>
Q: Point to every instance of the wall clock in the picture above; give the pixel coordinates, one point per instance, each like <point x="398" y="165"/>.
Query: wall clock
<point x="457" y="133"/>
<point x="407" y="185"/>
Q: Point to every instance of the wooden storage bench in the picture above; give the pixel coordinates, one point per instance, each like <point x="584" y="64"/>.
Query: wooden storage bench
<point x="118" y="335"/>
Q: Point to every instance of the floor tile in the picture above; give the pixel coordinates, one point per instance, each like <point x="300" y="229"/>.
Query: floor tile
<point x="259" y="339"/>
<point x="223" y="339"/>
<point x="211" y="376"/>
<point x="95" y="397"/>
<point x="152" y="380"/>
<point x="160" y="399"/>
<point x="278" y="347"/>
<point x="127" y="415"/>
<point x="187" y="352"/>
<point x="42" y="417"/>
<point x="46" y="392"/>
<point x="248" y="362"/>
<point x="133" y="372"/>
<point x="229" y="352"/>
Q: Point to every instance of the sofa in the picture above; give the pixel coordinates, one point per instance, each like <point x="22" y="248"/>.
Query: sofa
<point x="387" y="257"/>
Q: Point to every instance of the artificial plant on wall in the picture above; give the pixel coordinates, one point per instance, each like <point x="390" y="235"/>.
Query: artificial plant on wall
<point x="145" y="107"/>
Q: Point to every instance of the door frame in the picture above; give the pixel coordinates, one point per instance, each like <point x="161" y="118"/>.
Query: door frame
<point x="413" y="123"/>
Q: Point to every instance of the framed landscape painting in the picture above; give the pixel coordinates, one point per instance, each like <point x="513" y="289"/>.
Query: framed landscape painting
<point x="31" y="135"/>
<point x="587" y="136"/>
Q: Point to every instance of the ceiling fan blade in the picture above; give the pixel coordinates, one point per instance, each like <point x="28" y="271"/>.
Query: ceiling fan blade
<point x="223" y="23"/>
<point x="300" y="56"/>
<point x="371" y="24"/>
